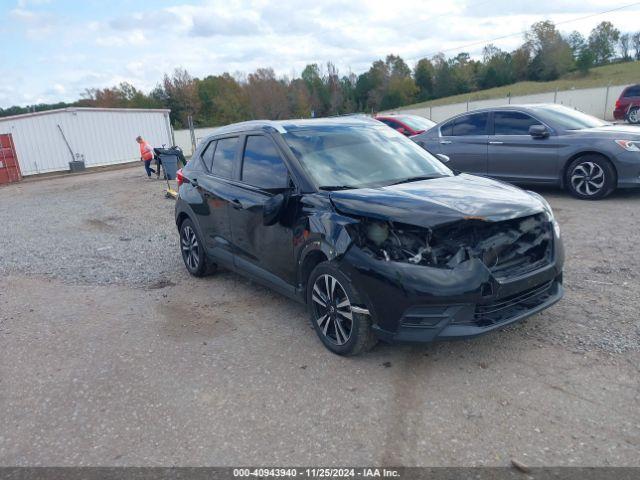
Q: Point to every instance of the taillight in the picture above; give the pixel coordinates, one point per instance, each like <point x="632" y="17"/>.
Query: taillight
<point x="180" y="178"/>
<point x="617" y="104"/>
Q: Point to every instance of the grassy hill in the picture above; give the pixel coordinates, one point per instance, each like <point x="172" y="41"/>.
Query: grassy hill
<point x="616" y="74"/>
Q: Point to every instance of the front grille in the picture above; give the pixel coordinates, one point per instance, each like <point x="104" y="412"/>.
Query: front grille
<point x="501" y="311"/>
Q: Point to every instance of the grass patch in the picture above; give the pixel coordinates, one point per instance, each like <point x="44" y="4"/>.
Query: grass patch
<point x="616" y="74"/>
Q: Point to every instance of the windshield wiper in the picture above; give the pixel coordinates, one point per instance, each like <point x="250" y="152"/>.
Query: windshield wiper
<point x="417" y="178"/>
<point x="337" y="187"/>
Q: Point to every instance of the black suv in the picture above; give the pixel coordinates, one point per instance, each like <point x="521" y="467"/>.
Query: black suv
<point x="375" y="235"/>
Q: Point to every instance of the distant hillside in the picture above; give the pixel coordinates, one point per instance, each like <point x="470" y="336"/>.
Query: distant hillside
<point x="616" y="74"/>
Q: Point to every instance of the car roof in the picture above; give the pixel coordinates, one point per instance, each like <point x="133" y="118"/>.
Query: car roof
<point x="397" y="115"/>
<point x="515" y="107"/>
<point x="283" y="125"/>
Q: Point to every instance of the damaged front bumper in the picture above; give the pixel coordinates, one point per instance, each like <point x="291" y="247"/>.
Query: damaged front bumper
<point x="418" y="303"/>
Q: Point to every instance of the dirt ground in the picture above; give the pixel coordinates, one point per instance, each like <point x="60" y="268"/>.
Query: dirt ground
<point x="110" y="354"/>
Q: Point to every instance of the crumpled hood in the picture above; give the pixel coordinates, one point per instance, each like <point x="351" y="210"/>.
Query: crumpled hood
<point x="438" y="201"/>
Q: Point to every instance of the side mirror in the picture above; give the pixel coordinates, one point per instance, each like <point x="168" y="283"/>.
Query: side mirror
<point x="443" y="158"/>
<point x="272" y="209"/>
<point x="538" y="131"/>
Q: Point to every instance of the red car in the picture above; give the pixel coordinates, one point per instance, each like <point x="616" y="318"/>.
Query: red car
<point x="407" y="124"/>
<point x="628" y="105"/>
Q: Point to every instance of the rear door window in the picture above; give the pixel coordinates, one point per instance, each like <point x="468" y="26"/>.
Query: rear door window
<point x="446" y="130"/>
<point x="632" y="91"/>
<point x="207" y="155"/>
<point x="474" y="124"/>
<point x="513" y="123"/>
<point x="262" y="165"/>
<point x="224" y="157"/>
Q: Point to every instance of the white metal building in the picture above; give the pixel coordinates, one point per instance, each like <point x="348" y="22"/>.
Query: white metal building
<point x="100" y="136"/>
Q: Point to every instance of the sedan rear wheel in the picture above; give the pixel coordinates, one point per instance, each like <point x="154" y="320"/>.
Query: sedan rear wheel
<point x="590" y="177"/>
<point x="634" y="115"/>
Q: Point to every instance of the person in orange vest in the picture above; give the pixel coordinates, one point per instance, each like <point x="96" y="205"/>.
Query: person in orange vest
<point x="146" y="155"/>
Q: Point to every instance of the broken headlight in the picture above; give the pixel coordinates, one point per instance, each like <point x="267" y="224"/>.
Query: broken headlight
<point x="509" y="245"/>
<point x="548" y="211"/>
<point x="389" y="241"/>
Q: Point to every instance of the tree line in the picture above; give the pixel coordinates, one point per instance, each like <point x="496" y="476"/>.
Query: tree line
<point x="546" y="54"/>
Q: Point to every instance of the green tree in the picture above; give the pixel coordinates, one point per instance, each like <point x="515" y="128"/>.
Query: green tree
<point x="222" y="100"/>
<point x="552" y="55"/>
<point x="180" y="94"/>
<point x="585" y="60"/>
<point x="423" y="74"/>
<point x="443" y="83"/>
<point x="521" y="59"/>
<point x="602" y="42"/>
<point x="267" y="95"/>
<point x="496" y="68"/>
<point x="318" y="91"/>
<point x="576" y="42"/>
<point x="625" y="46"/>
<point x="635" y="42"/>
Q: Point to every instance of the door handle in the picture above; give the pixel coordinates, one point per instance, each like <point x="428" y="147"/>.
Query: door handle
<point x="237" y="204"/>
<point x="496" y="143"/>
<point x="445" y="142"/>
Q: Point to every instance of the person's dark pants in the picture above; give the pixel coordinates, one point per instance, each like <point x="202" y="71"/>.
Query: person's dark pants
<point x="147" y="167"/>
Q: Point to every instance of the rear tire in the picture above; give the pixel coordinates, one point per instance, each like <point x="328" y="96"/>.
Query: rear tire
<point x="633" y="116"/>
<point x="590" y="177"/>
<point x="330" y="296"/>
<point x="193" y="254"/>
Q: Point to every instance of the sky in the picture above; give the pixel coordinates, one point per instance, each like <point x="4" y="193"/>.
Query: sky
<point x="52" y="50"/>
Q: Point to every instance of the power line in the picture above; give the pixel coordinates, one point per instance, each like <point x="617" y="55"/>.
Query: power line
<point x="509" y="35"/>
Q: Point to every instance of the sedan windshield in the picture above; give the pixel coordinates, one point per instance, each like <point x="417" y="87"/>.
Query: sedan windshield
<point x="568" y="118"/>
<point x="355" y="156"/>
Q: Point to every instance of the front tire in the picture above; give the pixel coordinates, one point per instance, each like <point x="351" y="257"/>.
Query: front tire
<point x="590" y="177"/>
<point x="634" y="116"/>
<point x="193" y="253"/>
<point x="331" y="298"/>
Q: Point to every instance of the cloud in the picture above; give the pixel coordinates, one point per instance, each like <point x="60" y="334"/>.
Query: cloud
<point x="28" y="3"/>
<point x="155" y="20"/>
<point x="98" y="47"/>
<point x="216" y="25"/>
<point x="133" y="38"/>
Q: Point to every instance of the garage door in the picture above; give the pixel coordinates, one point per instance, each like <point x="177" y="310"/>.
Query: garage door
<point x="9" y="168"/>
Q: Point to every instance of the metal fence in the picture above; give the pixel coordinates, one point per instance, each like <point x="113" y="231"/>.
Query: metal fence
<point x="594" y="101"/>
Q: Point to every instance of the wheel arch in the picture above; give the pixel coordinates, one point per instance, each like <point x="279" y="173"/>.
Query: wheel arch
<point x="182" y="216"/>
<point x="309" y="259"/>
<point x="583" y="153"/>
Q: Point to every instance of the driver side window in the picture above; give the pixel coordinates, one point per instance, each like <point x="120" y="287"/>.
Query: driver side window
<point x="262" y="165"/>
<point x="512" y="123"/>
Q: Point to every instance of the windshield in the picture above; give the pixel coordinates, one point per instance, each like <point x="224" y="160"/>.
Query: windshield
<point x="415" y="122"/>
<point x="349" y="156"/>
<point x="568" y="118"/>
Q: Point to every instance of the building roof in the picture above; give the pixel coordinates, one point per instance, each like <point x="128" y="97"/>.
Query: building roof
<point x="84" y="109"/>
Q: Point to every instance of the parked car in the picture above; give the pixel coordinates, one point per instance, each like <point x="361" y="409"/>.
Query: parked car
<point x="377" y="237"/>
<point x="540" y="144"/>
<point x="408" y="125"/>
<point x="628" y="105"/>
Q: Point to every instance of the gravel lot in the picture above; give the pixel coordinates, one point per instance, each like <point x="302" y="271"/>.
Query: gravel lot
<point x="110" y="354"/>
